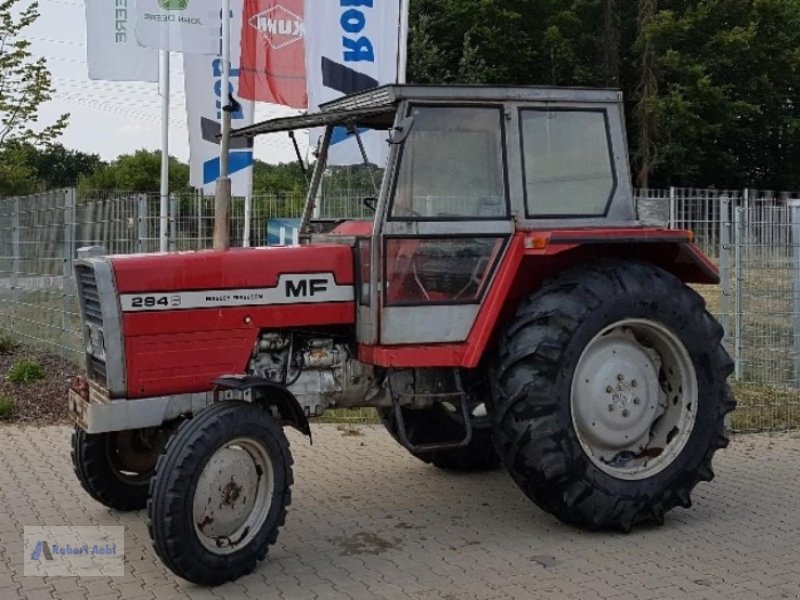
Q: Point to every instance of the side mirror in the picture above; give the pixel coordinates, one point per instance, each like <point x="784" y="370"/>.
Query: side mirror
<point x="402" y="131"/>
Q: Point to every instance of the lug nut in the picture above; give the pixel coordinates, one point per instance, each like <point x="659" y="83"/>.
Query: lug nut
<point x="626" y="413"/>
<point x="610" y="408"/>
<point x="637" y="400"/>
<point x="609" y="390"/>
<point x="633" y="383"/>
<point x="620" y="377"/>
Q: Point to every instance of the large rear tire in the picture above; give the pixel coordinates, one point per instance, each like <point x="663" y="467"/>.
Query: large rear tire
<point x="610" y="395"/>
<point x="220" y="493"/>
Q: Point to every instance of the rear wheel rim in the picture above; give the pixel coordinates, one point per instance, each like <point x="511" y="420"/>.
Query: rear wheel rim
<point x="233" y="496"/>
<point x="634" y="399"/>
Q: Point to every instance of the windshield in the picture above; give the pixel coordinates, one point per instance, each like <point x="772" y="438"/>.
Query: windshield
<point x="344" y="189"/>
<point x="349" y="188"/>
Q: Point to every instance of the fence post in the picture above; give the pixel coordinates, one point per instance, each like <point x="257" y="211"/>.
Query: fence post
<point x="248" y="216"/>
<point x="740" y="216"/>
<point x="68" y="254"/>
<point x="142" y="223"/>
<point x="794" y="215"/>
<point x="16" y="256"/>
<point x="199" y="219"/>
<point x="724" y="265"/>
<point x="672" y="207"/>
<point x="173" y="222"/>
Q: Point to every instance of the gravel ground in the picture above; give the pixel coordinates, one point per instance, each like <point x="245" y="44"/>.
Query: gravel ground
<point x="42" y="402"/>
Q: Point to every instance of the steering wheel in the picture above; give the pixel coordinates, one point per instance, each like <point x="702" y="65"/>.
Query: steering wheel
<point x="371" y="202"/>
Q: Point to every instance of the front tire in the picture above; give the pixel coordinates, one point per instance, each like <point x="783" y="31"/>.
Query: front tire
<point x="610" y="395"/>
<point x="220" y="493"/>
<point x="115" y="468"/>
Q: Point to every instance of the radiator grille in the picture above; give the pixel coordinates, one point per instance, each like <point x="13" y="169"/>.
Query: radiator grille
<point x="87" y="287"/>
<point x="92" y="313"/>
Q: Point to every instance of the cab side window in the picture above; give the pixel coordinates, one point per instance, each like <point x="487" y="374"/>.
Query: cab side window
<point x="568" y="166"/>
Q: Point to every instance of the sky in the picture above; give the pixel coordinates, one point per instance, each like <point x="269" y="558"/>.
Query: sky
<point x="112" y="118"/>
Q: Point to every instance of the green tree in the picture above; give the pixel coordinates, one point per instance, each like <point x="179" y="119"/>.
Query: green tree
<point x="17" y="177"/>
<point x="25" y="169"/>
<point x="137" y="172"/>
<point x="281" y="179"/>
<point x="25" y="82"/>
<point x="712" y="87"/>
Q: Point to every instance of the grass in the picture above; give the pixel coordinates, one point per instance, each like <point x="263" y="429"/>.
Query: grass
<point x="765" y="408"/>
<point x="8" y="345"/>
<point x="6" y="408"/>
<point x="25" y="371"/>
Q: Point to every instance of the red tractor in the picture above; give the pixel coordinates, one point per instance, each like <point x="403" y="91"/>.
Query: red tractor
<point x="503" y="305"/>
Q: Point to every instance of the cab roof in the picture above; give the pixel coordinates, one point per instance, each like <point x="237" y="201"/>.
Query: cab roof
<point x="370" y="108"/>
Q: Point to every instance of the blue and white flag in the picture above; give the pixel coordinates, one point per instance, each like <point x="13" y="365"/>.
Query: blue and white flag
<point x="204" y="102"/>
<point x="352" y="46"/>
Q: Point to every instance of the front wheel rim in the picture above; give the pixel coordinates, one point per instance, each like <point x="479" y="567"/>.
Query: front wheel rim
<point x="634" y="399"/>
<point x="233" y="496"/>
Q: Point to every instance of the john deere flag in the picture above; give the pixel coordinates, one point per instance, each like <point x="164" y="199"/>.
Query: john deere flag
<point x="273" y="65"/>
<point x="189" y="26"/>
<point x="111" y="49"/>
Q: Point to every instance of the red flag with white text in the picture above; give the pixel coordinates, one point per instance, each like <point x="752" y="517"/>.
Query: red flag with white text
<point x="273" y="65"/>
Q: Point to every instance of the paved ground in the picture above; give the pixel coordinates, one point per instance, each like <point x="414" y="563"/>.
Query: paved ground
<point x="369" y="521"/>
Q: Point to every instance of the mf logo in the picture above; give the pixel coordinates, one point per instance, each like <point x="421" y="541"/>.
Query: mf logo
<point x="279" y="26"/>
<point x="173" y="4"/>
<point x="306" y="288"/>
<point x="41" y="549"/>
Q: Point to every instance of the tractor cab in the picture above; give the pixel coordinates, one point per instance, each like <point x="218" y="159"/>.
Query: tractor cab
<point x="438" y="182"/>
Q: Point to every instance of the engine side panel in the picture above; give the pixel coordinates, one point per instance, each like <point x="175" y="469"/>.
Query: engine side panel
<point x="191" y="318"/>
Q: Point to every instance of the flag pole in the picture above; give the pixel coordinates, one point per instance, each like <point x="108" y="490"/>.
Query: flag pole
<point x="222" y="200"/>
<point x="165" y="93"/>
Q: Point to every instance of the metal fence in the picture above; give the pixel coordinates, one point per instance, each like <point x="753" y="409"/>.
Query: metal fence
<point x="754" y="237"/>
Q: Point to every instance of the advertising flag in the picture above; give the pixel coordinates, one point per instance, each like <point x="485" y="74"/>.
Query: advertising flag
<point x="189" y="26"/>
<point x="204" y="102"/>
<point x="353" y="46"/>
<point x="112" y="51"/>
<point x="273" y="65"/>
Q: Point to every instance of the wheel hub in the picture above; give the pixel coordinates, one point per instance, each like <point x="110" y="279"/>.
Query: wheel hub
<point x="232" y="496"/>
<point x="619" y="398"/>
<point x="616" y="394"/>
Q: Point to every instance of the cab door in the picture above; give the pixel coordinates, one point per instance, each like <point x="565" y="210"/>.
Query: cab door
<point x="446" y="225"/>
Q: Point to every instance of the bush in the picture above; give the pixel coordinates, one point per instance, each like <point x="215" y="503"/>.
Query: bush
<point x="25" y="371"/>
<point x="7" y="344"/>
<point x="6" y="408"/>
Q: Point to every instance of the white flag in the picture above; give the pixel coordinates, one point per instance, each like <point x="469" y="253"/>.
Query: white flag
<point x="351" y="47"/>
<point x="190" y="26"/>
<point x="112" y="52"/>
<point x="204" y="101"/>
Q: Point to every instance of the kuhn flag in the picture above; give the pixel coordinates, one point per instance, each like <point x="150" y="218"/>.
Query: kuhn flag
<point x="204" y="101"/>
<point x="189" y="26"/>
<point x="352" y="46"/>
<point x="112" y="52"/>
<point x="273" y="65"/>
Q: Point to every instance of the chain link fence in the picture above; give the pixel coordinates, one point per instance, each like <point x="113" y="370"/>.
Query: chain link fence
<point x="753" y="236"/>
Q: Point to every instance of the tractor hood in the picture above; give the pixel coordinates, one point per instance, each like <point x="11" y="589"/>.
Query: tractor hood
<point x="236" y="269"/>
<point x="163" y="324"/>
